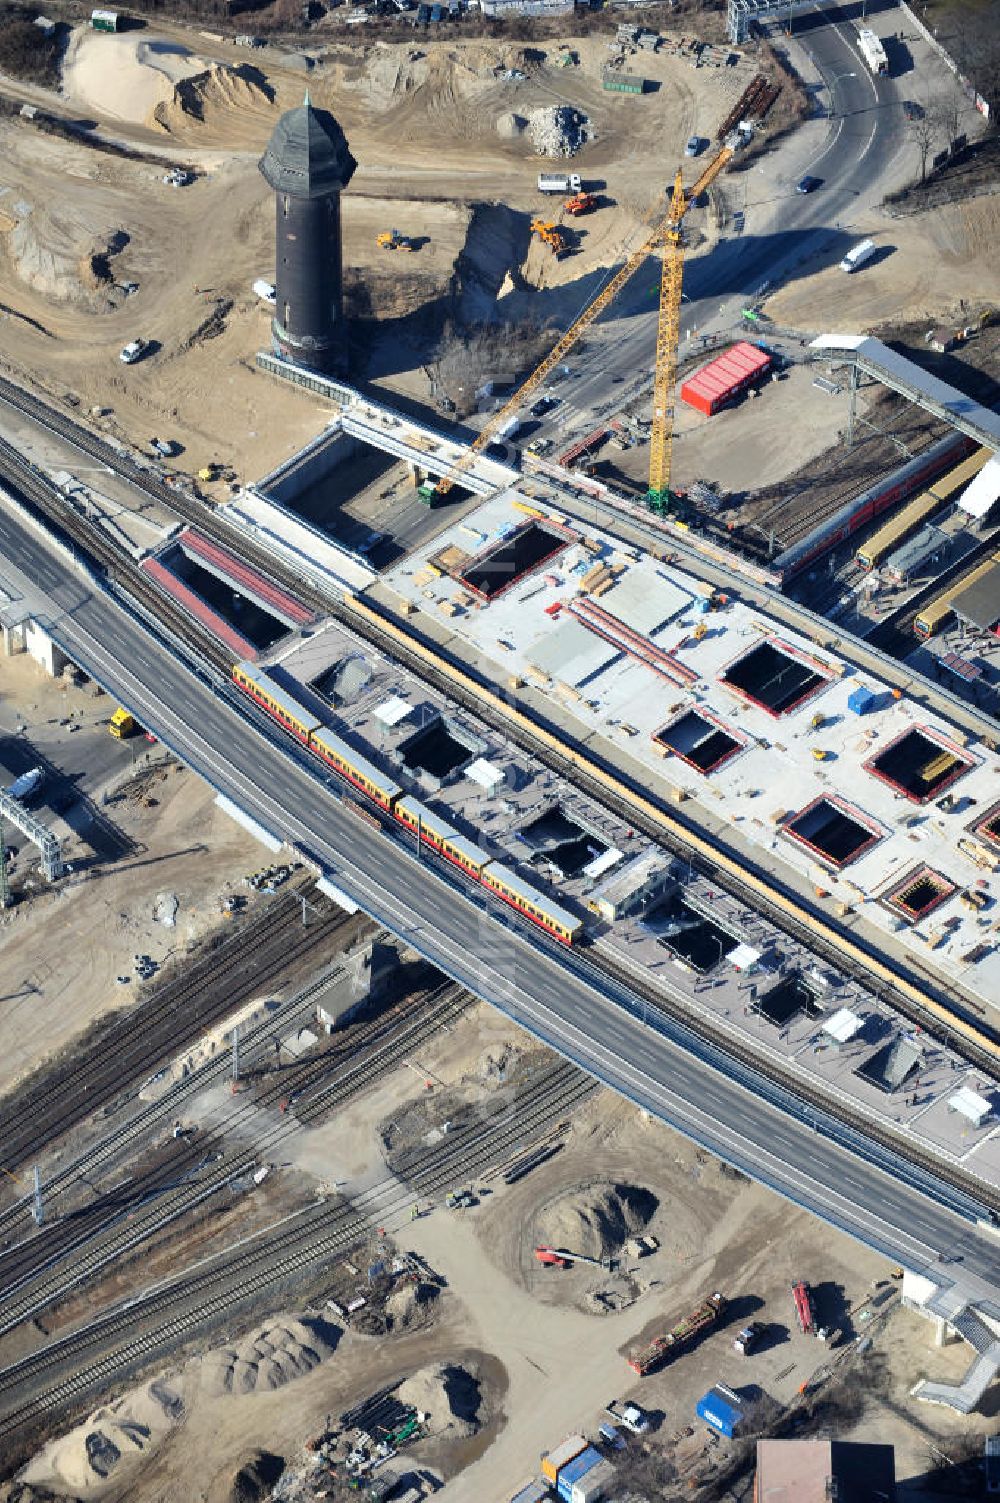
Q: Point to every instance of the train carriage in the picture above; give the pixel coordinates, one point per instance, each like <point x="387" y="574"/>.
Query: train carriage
<point x="438" y="834"/>
<point x="287" y="710"/>
<point x="354" y="767"/>
<point x="536" y="905"/>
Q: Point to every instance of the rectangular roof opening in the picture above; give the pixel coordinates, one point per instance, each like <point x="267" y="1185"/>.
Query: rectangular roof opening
<point x="438" y="747"/>
<point x="774" y="677"/>
<point x="700" y="740"/>
<point x="918" y="764"/>
<point x="786" y="1000"/>
<point x="833" y="830"/>
<point x="918" y="893"/>
<point x="498" y="567"/>
<point x="689" y="935"/>
<point x="987" y="827"/>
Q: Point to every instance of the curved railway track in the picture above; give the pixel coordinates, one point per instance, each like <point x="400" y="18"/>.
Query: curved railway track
<point x="135" y="1042"/>
<point x="155" y="1323"/>
<point x="950" y="1023"/>
<point x="141" y="1207"/>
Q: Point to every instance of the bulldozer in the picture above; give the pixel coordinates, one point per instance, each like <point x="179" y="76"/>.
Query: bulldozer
<point x="549" y="235"/>
<point x="393" y="240"/>
<point x="580" y="203"/>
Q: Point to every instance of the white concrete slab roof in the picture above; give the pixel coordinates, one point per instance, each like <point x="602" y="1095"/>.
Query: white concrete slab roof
<point x="772" y="775"/>
<point x="571" y="653"/>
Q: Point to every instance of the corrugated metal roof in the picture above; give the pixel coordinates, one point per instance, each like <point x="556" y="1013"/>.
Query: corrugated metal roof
<point x="727" y="371"/>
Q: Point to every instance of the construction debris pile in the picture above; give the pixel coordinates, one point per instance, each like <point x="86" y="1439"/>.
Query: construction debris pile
<point x="559" y="130"/>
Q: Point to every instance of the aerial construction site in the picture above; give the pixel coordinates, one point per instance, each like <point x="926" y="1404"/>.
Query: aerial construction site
<point x="500" y="794"/>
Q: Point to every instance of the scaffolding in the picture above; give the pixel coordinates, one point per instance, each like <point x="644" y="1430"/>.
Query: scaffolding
<point x="32" y="829"/>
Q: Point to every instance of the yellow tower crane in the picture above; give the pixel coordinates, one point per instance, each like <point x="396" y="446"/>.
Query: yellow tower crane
<point x="668" y="235"/>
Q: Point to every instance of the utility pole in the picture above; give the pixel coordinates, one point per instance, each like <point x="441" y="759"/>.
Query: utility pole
<point x="37" y="1209"/>
<point x="4" y="886"/>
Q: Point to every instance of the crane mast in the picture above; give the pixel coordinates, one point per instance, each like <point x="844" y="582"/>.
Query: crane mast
<point x="668" y="234"/>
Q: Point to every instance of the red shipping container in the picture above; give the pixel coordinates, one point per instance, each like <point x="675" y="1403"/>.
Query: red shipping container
<point x="719" y="381"/>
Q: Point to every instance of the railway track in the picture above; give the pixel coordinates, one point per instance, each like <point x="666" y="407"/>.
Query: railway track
<point x="946" y="1022"/>
<point x="895" y="635"/>
<point x="136" y="1042"/>
<point x="152" y="1325"/>
<point x="136" y="1211"/>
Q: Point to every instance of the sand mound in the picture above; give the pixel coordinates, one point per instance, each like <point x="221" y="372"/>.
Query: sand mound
<point x="219" y="91"/>
<point x="276" y="1353"/>
<point x="256" y="1477"/>
<point x="511" y="126"/>
<point x="448" y="1396"/>
<point x="410" y="1306"/>
<point x="108" y="1445"/>
<point x="596" y="1220"/>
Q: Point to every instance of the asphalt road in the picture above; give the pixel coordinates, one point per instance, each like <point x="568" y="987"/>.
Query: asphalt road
<point x="864" y="130"/>
<point x="485" y="947"/>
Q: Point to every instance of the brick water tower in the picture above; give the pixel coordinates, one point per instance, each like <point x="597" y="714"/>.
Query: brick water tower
<point x="308" y="164"/>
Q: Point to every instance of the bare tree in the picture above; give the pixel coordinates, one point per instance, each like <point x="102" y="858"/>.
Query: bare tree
<point x="976" y="46"/>
<point x="924" y="130"/>
<point x="466" y="358"/>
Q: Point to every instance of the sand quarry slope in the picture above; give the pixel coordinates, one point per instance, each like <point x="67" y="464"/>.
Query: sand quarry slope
<point x="211" y="97"/>
<point x="947" y="252"/>
<point x="105" y="1452"/>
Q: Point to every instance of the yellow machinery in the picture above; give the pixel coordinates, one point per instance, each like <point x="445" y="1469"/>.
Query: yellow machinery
<point x="122" y="724"/>
<point x="666" y="234"/>
<point x="393" y="240"/>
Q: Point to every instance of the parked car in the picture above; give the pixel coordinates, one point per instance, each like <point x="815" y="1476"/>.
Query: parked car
<point x="808" y="184"/>
<point x="693" y="147"/>
<point x="912" y="110"/>
<point x="134" y="351"/>
<point x="543" y="405"/>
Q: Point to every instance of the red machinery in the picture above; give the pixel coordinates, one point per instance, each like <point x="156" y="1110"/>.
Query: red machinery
<point x="551" y="1258"/>
<point x="662" y="1348"/>
<point x="804" y="1308"/>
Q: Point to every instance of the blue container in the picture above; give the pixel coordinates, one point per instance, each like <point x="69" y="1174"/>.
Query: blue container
<point x="720" y="1412"/>
<point x="574" y="1470"/>
<point x="702" y="605"/>
<point x="861" y="700"/>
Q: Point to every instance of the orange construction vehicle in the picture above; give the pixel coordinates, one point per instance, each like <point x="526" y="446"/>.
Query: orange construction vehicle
<point x="549" y="235"/>
<point x="580" y="203"/>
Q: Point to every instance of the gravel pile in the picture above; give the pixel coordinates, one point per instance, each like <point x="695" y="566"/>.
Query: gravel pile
<point x="558" y="131"/>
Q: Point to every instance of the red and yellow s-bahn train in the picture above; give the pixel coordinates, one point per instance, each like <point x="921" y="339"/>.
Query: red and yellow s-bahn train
<point x="426" y="825"/>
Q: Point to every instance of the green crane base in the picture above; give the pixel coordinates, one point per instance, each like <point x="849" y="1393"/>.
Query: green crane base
<point x="662" y="502"/>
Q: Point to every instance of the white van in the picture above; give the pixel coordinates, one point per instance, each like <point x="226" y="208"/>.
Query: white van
<point x="858" y="255"/>
<point x="264" y="290"/>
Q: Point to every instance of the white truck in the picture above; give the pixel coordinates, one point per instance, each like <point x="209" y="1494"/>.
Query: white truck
<point x="559" y="182"/>
<point x="858" y="255"/>
<point x="629" y="1416"/>
<point x="872" y="51"/>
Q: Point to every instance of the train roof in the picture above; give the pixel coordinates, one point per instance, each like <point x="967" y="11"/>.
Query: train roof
<point x="467" y="849"/>
<point x="285" y="701"/>
<point x="324" y="738"/>
<point x="529" y="894"/>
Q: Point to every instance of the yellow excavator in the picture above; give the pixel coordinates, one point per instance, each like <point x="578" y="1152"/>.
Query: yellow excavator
<point x="393" y="240"/>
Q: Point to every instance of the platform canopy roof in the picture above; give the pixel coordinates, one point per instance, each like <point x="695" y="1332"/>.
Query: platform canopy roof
<point x="843" y="1025"/>
<point x="970" y="1104"/>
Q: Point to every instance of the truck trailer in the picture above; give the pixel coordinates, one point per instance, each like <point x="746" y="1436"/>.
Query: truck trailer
<point x="662" y="1348"/>
<point x="805" y="1309"/>
<point x="559" y="182"/>
<point x="872" y="51"/>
